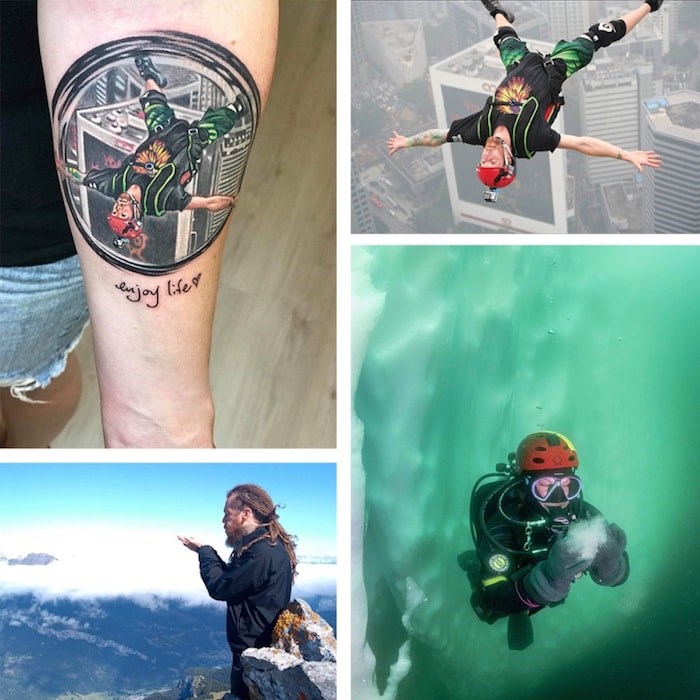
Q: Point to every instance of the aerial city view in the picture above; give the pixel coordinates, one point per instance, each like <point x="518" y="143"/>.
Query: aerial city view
<point x="417" y="67"/>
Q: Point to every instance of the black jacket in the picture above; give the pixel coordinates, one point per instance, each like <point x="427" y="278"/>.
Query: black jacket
<point x="256" y="586"/>
<point x="523" y="104"/>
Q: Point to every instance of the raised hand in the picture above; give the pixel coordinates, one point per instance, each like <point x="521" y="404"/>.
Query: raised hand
<point x="642" y="158"/>
<point x="396" y="143"/>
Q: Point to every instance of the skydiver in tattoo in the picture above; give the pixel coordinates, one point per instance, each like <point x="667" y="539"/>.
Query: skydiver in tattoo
<point x="151" y="181"/>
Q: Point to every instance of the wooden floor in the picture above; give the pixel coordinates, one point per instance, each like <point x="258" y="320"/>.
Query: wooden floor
<point x="273" y="367"/>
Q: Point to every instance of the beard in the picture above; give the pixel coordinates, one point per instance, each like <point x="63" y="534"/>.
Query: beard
<point x="493" y="142"/>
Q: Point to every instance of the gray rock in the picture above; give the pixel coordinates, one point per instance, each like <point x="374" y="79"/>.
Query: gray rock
<point x="300" y="663"/>
<point x="273" y="674"/>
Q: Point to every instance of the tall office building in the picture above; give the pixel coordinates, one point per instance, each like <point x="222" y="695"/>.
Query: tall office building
<point x="415" y="9"/>
<point x="610" y="93"/>
<point x="671" y="127"/>
<point x="362" y="220"/>
<point x="363" y="11"/>
<point x="567" y="19"/>
<point x="397" y="48"/>
<point x="536" y="201"/>
<point x="470" y="23"/>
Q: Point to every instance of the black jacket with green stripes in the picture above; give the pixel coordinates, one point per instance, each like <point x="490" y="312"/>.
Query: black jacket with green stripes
<point x="523" y="104"/>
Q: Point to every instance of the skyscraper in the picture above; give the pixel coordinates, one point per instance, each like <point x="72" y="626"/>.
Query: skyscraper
<point x="567" y="19"/>
<point x="610" y="93"/>
<point x="671" y="127"/>
<point x="397" y="48"/>
<point x="362" y="220"/>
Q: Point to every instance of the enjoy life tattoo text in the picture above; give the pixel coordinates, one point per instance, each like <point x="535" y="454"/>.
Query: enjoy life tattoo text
<point x="150" y="296"/>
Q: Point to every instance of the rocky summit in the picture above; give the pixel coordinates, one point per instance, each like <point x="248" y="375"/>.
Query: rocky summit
<point x="300" y="663"/>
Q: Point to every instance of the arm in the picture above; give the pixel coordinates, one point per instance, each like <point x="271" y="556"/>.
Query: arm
<point x="590" y="146"/>
<point x="225" y="582"/>
<point x="152" y="295"/>
<point x="213" y="203"/>
<point x="431" y="138"/>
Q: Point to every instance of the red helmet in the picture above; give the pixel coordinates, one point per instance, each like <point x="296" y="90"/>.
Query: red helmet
<point x="126" y="217"/>
<point x="545" y="450"/>
<point x="124" y="228"/>
<point x="497" y="177"/>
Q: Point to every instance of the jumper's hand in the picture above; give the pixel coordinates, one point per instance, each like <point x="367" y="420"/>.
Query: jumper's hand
<point x="641" y="158"/>
<point x="69" y="171"/>
<point x="396" y="143"/>
<point x="190" y="543"/>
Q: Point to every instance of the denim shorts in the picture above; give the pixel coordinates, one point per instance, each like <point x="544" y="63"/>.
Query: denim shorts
<point x="43" y="312"/>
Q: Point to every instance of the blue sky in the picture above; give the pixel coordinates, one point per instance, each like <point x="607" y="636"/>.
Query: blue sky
<point x="124" y="517"/>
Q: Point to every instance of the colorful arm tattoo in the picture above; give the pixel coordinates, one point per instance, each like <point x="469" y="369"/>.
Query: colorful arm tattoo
<point x="154" y="137"/>
<point x="433" y="137"/>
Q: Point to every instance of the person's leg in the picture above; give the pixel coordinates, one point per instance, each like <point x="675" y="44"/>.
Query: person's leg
<point x="495" y="9"/>
<point x="578" y="53"/>
<point x="33" y="424"/>
<point x="633" y="18"/>
<point x="238" y="688"/>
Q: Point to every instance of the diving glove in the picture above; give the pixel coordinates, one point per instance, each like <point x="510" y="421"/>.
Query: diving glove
<point x="550" y="580"/>
<point x="609" y="566"/>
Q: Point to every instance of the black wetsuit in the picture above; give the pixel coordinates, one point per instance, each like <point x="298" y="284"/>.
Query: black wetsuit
<point x="502" y="573"/>
<point x="256" y="586"/>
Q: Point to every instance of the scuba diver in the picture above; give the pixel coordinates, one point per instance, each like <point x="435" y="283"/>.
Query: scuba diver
<point x="517" y="121"/>
<point x="523" y="560"/>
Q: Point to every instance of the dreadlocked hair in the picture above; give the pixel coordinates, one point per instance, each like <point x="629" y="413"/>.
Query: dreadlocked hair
<point x="265" y="512"/>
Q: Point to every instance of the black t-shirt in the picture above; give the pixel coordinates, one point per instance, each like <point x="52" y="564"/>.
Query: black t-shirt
<point x="33" y="225"/>
<point x="523" y="104"/>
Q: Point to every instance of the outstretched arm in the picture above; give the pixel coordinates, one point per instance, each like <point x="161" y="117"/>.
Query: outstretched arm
<point x="590" y="146"/>
<point x="215" y="202"/>
<point x="431" y="138"/>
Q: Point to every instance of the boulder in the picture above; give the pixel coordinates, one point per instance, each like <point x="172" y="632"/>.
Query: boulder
<point x="299" y="664"/>
<point x="273" y="674"/>
<point x="304" y="633"/>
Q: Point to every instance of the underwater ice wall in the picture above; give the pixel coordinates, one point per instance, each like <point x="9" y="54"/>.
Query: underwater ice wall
<point x="458" y="352"/>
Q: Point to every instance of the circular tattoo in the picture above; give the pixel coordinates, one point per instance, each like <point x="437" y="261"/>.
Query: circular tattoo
<point x="154" y="134"/>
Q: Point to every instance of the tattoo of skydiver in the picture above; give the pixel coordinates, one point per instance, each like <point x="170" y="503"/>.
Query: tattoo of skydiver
<point x="151" y="179"/>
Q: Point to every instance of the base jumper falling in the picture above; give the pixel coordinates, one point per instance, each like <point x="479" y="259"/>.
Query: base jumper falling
<point x="152" y="180"/>
<point x="516" y="121"/>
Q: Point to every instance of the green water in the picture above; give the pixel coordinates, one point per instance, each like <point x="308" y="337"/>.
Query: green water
<point x="458" y="352"/>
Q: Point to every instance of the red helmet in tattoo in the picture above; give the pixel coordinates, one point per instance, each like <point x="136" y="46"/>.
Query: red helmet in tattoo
<point x="126" y="217"/>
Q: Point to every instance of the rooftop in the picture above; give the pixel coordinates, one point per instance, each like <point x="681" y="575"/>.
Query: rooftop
<point x="677" y="114"/>
<point x="483" y="60"/>
<point x="400" y="37"/>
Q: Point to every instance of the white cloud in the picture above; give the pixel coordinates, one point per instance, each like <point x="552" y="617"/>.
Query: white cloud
<point x="108" y="562"/>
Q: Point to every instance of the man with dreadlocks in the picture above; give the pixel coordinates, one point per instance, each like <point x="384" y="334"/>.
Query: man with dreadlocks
<point x="256" y="583"/>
